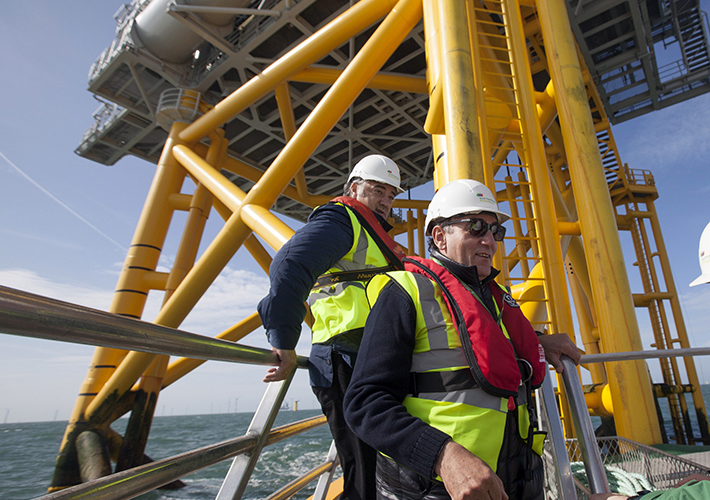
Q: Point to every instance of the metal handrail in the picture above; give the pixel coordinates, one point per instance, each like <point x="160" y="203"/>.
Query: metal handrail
<point x="593" y="464"/>
<point x="29" y="315"/>
<point x="139" y="480"/>
<point x="631" y="355"/>
<point x="558" y="448"/>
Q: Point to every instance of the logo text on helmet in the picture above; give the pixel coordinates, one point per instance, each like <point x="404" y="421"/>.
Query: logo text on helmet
<point x="485" y="199"/>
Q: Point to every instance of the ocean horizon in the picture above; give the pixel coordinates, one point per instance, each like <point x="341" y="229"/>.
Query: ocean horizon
<point x="28" y="451"/>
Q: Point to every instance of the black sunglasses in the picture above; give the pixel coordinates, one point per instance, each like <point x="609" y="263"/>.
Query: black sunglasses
<point x="479" y="228"/>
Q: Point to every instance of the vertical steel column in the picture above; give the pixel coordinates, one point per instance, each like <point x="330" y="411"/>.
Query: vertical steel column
<point x="128" y="300"/>
<point x="288" y="122"/>
<point x="634" y="408"/>
<point x="464" y="156"/>
<point x="558" y="306"/>
<point x="149" y="386"/>
<point x="434" y="122"/>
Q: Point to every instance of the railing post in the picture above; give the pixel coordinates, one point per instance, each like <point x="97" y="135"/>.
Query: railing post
<point x="560" y="456"/>
<point x="583" y="426"/>
<point x="237" y="478"/>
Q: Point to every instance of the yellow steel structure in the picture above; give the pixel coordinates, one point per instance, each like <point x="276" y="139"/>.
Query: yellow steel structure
<point x="561" y="180"/>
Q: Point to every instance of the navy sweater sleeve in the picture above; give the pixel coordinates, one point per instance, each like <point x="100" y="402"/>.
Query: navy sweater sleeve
<point x="380" y="382"/>
<point x="311" y="251"/>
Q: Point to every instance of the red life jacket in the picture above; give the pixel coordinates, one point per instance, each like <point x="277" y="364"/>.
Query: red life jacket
<point x="491" y="356"/>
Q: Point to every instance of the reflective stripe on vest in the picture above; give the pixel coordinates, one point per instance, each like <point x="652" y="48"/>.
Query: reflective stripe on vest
<point x="473" y="418"/>
<point x="342" y="307"/>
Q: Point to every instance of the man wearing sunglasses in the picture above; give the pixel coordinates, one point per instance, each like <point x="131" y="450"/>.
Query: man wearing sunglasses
<point x="442" y="383"/>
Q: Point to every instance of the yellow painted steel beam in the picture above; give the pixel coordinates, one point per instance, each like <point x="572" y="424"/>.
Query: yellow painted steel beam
<point x="253" y="246"/>
<point x="558" y="307"/>
<point x="635" y="414"/>
<point x="434" y="124"/>
<point x="464" y="155"/>
<point x="288" y="122"/>
<point x="180" y="201"/>
<point x="200" y="205"/>
<point x="587" y="329"/>
<point x="569" y="228"/>
<point x="381" y="81"/>
<point x="645" y="299"/>
<point x="599" y="400"/>
<point x="254" y="174"/>
<point x="354" y="20"/>
<point x="259" y="219"/>
<point x="491" y="113"/>
<point x="266" y="225"/>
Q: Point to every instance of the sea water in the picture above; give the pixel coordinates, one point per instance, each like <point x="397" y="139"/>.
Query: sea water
<point x="28" y="450"/>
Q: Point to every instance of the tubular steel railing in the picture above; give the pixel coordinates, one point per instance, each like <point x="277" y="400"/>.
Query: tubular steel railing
<point x="29" y="315"/>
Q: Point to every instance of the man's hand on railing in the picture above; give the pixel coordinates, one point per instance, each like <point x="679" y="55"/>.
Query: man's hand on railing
<point x="557" y="345"/>
<point x="287" y="362"/>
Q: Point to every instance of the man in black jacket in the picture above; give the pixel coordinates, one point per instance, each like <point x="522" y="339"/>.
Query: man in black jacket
<point x="418" y="398"/>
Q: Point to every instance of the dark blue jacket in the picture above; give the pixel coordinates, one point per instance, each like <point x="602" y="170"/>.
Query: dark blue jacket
<point x="312" y="250"/>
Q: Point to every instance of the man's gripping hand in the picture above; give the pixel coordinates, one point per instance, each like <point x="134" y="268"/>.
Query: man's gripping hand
<point x="287" y="362"/>
<point x="555" y="346"/>
<point x="467" y="477"/>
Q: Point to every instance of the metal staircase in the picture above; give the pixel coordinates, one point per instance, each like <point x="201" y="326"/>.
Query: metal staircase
<point x="691" y="36"/>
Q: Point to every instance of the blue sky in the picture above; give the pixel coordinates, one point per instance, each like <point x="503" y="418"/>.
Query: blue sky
<point x="65" y="222"/>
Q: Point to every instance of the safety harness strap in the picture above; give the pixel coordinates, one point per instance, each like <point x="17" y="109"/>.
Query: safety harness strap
<point x="360" y="275"/>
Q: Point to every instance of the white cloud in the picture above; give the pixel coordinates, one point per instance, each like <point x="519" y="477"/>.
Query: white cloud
<point x="30" y="281"/>
<point x="62" y="366"/>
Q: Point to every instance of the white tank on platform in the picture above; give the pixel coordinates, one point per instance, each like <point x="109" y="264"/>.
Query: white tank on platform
<point x="172" y="41"/>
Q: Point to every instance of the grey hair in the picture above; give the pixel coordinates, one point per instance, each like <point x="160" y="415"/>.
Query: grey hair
<point x="355" y="181"/>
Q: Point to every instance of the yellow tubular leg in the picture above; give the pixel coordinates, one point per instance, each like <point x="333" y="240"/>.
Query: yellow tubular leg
<point x="559" y="309"/>
<point x="463" y="145"/>
<point x="635" y="413"/>
<point x="288" y="122"/>
<point x="432" y="47"/>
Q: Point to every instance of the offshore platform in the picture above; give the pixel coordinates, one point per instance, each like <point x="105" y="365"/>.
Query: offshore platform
<point x="265" y="106"/>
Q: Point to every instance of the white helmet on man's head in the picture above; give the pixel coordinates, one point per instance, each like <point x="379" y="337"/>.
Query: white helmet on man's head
<point x="378" y="168"/>
<point x="704" y="257"/>
<point x="459" y="197"/>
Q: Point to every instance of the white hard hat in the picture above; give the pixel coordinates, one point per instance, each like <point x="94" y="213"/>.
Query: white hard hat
<point x="704" y="257"/>
<point x="463" y="196"/>
<point x="378" y="168"/>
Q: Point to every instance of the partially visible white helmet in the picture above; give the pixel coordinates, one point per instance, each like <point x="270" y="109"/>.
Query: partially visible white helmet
<point x="378" y="168"/>
<point x="704" y="257"/>
<point x="463" y="196"/>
